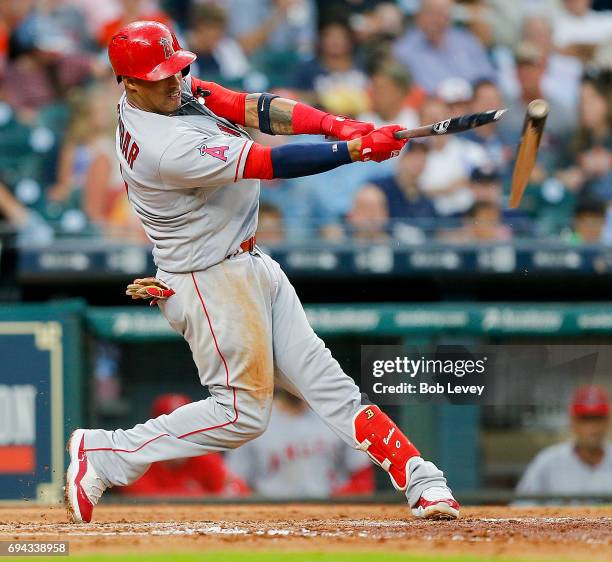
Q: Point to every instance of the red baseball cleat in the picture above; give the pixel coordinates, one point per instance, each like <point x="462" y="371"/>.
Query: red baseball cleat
<point x="83" y="485"/>
<point x="436" y="503"/>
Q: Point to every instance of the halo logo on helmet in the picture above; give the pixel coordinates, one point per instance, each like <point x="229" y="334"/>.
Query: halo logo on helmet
<point x="167" y="46"/>
<point x="149" y="51"/>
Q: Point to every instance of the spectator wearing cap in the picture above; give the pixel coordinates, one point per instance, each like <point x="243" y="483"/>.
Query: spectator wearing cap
<point x="457" y="93"/>
<point x="561" y="78"/>
<point x="580" y="467"/>
<point x="191" y="477"/>
<point x="433" y="50"/>
<point x="530" y="69"/>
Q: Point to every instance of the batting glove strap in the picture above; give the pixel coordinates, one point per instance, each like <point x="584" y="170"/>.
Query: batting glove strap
<point x="149" y="288"/>
<point x="343" y="128"/>
<point x="381" y="144"/>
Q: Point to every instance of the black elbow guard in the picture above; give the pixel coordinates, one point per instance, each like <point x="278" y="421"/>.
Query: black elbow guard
<point x="263" y="112"/>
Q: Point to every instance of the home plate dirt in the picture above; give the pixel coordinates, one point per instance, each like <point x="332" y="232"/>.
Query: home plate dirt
<point x="568" y="533"/>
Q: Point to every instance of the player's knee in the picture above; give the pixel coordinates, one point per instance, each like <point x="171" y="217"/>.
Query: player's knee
<point x="251" y="423"/>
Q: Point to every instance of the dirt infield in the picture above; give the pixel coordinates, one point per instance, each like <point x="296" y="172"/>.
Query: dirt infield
<point x="538" y="533"/>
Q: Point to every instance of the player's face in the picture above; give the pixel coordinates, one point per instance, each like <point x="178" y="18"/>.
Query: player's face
<point x="162" y="96"/>
<point x="590" y="432"/>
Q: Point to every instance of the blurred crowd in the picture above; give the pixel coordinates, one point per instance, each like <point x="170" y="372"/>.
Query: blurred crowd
<point x="387" y="61"/>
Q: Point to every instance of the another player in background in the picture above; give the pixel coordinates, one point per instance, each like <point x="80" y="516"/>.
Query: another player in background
<point x="582" y="466"/>
<point x="299" y="456"/>
<point x="192" y="176"/>
<point x="189" y="477"/>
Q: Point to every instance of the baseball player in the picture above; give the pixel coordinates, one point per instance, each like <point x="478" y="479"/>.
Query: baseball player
<point x="192" y="176"/>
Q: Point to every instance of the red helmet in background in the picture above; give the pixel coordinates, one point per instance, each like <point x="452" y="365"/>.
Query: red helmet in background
<point x="147" y="50"/>
<point x="590" y="400"/>
<point x="167" y="403"/>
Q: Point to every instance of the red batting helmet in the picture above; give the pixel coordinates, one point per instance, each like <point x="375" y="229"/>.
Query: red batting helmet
<point x="147" y="50"/>
<point x="167" y="403"/>
<point x="590" y="400"/>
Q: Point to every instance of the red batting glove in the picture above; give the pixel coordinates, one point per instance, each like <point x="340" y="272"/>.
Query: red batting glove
<point x="381" y="144"/>
<point x="343" y="128"/>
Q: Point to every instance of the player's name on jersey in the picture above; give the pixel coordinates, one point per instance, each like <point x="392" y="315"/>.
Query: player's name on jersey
<point x="427" y="388"/>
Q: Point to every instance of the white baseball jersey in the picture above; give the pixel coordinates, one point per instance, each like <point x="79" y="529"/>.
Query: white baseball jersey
<point x="184" y="180"/>
<point x="297" y="456"/>
<point x="558" y="470"/>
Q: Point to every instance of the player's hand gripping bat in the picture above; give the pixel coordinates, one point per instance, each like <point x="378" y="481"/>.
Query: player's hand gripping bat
<point x="453" y="125"/>
<point x="527" y="151"/>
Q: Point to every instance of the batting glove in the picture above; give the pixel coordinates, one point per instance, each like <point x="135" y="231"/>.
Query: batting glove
<point x="149" y="288"/>
<point x="381" y="144"/>
<point x="343" y="128"/>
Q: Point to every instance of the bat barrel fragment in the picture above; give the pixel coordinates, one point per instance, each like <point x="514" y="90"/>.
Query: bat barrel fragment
<point x="533" y="127"/>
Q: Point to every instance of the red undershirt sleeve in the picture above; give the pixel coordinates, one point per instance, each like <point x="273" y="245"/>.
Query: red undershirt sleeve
<point x="259" y="163"/>
<point x="225" y="103"/>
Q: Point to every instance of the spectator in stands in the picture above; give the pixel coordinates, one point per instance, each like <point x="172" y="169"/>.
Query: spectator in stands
<point x="190" y="477"/>
<point x="368" y="219"/>
<point x="433" y="50"/>
<point x="578" y="29"/>
<point x="499" y="152"/>
<point x="220" y="57"/>
<point x="590" y="151"/>
<point x="483" y="224"/>
<point x="390" y="85"/>
<point x="59" y="27"/>
<point x="450" y="162"/>
<point x="333" y="79"/>
<point x="589" y="220"/>
<point x="457" y="94"/>
<point x="299" y="457"/>
<point x="88" y="168"/>
<point x="368" y="18"/>
<point x="561" y="78"/>
<point x="530" y="69"/>
<point x="30" y="227"/>
<point x="276" y="26"/>
<point x="131" y="10"/>
<point x="486" y="185"/>
<point x="405" y="201"/>
<point x="508" y="17"/>
<point x="582" y="466"/>
<point x="270" y="227"/>
<point x="36" y="76"/>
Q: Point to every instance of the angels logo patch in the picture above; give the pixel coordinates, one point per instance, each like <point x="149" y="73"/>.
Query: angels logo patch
<point x="441" y="127"/>
<point x="167" y="47"/>
<point x="214" y="151"/>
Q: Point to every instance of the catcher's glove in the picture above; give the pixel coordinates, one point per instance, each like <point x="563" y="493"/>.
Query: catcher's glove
<point x="149" y="288"/>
